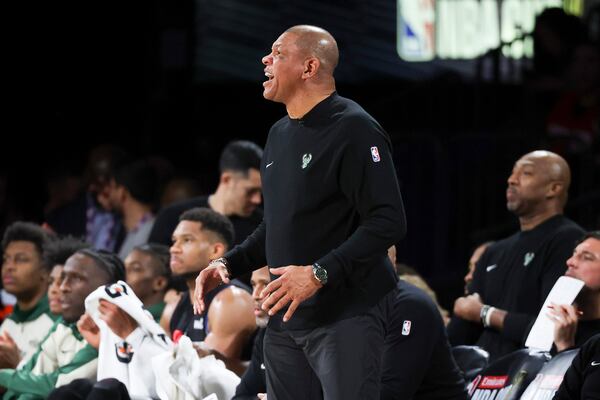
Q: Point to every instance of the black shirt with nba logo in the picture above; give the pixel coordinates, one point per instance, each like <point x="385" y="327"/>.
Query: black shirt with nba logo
<point x="516" y="274"/>
<point x="331" y="196"/>
<point x="417" y="362"/>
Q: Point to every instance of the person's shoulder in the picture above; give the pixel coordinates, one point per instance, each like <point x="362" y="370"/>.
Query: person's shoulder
<point x="232" y="309"/>
<point x="352" y="107"/>
<point x="565" y="227"/>
<point x="415" y="299"/>
<point x="278" y="126"/>
<point x="58" y="328"/>
<point x="591" y="347"/>
<point x="593" y="341"/>
<point x="502" y="244"/>
<point x="559" y="232"/>
<point x="416" y="305"/>
<point x="356" y="124"/>
<point x="350" y="111"/>
<point x="232" y="294"/>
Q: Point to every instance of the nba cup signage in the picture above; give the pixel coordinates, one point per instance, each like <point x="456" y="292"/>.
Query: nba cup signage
<point x="466" y="29"/>
<point x="416" y="30"/>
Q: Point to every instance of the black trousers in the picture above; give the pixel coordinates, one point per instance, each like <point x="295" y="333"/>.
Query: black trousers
<point x="85" y="389"/>
<point x="337" y="361"/>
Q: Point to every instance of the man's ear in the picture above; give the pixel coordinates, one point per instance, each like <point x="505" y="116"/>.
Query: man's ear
<point x="226" y="177"/>
<point x="555" y="189"/>
<point x="311" y="66"/>
<point x="160" y="283"/>
<point x="218" y="249"/>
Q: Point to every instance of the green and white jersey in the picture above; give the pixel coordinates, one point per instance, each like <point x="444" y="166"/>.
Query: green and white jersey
<point x="63" y="356"/>
<point x="29" y="328"/>
<point x="156" y="310"/>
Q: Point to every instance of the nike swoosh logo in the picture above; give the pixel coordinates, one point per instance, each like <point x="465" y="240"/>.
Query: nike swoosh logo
<point x="491" y="267"/>
<point x="269" y="164"/>
<point x="595" y="363"/>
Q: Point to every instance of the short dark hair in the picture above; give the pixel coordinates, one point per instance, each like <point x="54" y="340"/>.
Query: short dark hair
<point x="240" y="156"/>
<point x="211" y="221"/>
<point x="160" y="255"/>
<point x="26" y="232"/>
<point x="590" y="234"/>
<point x="140" y="178"/>
<point x="58" y="250"/>
<point x="107" y="261"/>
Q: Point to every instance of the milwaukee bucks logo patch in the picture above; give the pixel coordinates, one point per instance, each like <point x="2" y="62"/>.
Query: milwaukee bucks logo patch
<point x="306" y="160"/>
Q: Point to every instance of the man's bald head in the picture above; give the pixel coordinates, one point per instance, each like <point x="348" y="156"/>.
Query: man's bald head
<point x="317" y="42"/>
<point x="555" y="168"/>
<point x="538" y="184"/>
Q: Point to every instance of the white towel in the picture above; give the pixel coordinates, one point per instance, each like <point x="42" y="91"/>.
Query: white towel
<point x="183" y="375"/>
<point x="128" y="360"/>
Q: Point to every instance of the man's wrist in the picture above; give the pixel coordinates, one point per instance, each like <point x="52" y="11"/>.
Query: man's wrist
<point x="485" y="315"/>
<point x="223" y="261"/>
<point x="320" y="273"/>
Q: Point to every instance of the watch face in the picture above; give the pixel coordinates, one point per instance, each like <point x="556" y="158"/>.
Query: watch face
<point x="320" y="274"/>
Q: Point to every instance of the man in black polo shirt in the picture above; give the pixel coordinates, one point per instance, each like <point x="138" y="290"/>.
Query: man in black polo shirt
<point x="332" y="209"/>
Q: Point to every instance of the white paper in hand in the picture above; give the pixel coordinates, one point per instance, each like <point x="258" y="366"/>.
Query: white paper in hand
<point x="565" y="291"/>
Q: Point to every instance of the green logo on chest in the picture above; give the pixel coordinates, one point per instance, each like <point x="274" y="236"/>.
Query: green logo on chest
<point x="306" y="159"/>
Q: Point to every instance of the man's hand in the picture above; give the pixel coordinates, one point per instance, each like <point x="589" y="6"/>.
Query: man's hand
<point x="262" y="396"/>
<point x="89" y="330"/>
<point x="468" y="307"/>
<point x="209" y="278"/>
<point x="10" y="355"/>
<point x="121" y="323"/>
<point x="565" y="325"/>
<point x="295" y="284"/>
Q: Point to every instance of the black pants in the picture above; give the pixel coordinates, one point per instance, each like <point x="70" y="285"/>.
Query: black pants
<point x="337" y="361"/>
<point x="85" y="389"/>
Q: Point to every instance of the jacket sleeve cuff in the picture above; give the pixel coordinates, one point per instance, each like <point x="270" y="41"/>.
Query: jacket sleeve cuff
<point x="335" y="272"/>
<point x="234" y="260"/>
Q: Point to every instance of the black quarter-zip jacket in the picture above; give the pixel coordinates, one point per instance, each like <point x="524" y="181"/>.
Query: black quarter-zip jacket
<point x="331" y="196"/>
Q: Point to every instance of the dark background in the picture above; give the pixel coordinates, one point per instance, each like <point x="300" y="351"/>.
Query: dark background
<point x="180" y="79"/>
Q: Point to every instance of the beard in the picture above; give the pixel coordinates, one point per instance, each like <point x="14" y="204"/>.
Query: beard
<point x="184" y="276"/>
<point x="262" y="322"/>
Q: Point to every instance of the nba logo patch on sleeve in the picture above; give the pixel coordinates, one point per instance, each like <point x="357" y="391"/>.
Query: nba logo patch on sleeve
<point x="406" y="328"/>
<point x="375" y="154"/>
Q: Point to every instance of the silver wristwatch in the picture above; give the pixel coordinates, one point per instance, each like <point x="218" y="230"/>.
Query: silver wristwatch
<point x="320" y="273"/>
<point x="223" y="261"/>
